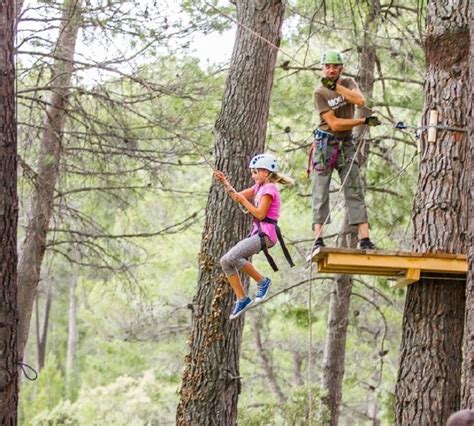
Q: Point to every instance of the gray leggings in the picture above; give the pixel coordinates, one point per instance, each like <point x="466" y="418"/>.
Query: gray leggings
<point x="236" y="258"/>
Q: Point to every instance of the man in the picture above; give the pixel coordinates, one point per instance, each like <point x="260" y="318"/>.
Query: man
<point x="333" y="148"/>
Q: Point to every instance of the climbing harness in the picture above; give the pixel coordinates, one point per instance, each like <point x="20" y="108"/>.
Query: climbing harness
<point x="318" y="158"/>
<point x="262" y="236"/>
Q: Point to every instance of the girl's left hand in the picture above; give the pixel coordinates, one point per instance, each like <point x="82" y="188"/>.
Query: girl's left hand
<point x="218" y="175"/>
<point x="237" y="197"/>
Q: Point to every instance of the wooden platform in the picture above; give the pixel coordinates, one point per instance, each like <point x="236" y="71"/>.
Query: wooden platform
<point x="405" y="266"/>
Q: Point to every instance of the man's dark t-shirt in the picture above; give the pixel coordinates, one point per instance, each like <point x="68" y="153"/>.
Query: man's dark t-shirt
<point x="327" y="99"/>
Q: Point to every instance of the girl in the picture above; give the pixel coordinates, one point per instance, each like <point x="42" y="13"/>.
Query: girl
<point x="266" y="206"/>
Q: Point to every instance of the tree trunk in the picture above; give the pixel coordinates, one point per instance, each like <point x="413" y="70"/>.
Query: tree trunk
<point x="297" y="363"/>
<point x="339" y="304"/>
<point x="211" y="382"/>
<point x="34" y="245"/>
<point x="336" y="334"/>
<point x="8" y="223"/>
<point x="42" y="330"/>
<point x="429" y="377"/>
<point x="18" y="8"/>
<point x="468" y="367"/>
<point x="72" y="330"/>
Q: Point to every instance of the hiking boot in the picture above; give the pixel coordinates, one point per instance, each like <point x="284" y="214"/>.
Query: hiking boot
<point x="262" y="291"/>
<point x="240" y="307"/>
<point x="319" y="242"/>
<point x="366" y="244"/>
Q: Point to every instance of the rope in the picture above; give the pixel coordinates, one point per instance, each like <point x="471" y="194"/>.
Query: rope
<point x="310" y="346"/>
<point x="341" y="188"/>
<point x="277" y="48"/>
<point x="24" y="367"/>
<point x="228" y="188"/>
<point x="310" y="330"/>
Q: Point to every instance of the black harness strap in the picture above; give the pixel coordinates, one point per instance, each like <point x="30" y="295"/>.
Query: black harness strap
<point x="280" y="240"/>
<point x="266" y="252"/>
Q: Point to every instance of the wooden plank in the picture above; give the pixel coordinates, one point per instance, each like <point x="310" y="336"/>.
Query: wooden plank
<point x="411" y="276"/>
<point x="357" y="267"/>
<point x="358" y="272"/>
<point x="354" y="270"/>
<point x="398" y="262"/>
<point x="323" y="251"/>
<point x="377" y="262"/>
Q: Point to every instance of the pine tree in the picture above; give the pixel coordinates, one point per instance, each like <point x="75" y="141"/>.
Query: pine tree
<point x="8" y="222"/>
<point x="211" y="380"/>
<point x="429" y="378"/>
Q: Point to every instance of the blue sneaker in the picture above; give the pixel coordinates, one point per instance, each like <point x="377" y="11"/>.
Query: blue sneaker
<point x="263" y="288"/>
<point x="240" y="307"/>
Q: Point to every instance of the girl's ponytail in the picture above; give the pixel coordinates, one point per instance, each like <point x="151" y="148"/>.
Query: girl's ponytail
<point x="280" y="178"/>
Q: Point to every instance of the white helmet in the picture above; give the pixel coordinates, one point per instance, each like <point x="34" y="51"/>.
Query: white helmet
<point x="264" y="161"/>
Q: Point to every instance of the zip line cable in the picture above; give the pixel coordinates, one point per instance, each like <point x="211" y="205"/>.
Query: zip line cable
<point x="228" y="187"/>
<point x="400" y="126"/>
<point x="310" y="337"/>
<point x="254" y="33"/>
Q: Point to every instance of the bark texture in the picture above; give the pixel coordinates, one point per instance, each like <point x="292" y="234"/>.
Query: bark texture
<point x="335" y="346"/>
<point x="339" y="304"/>
<point x="468" y="367"/>
<point x="8" y="222"/>
<point x="34" y="245"/>
<point x="429" y="377"/>
<point x="211" y="382"/>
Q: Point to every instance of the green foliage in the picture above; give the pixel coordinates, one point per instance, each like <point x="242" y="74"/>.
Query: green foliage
<point x="299" y="315"/>
<point x="44" y="393"/>
<point x="126" y="401"/>
<point x="294" y="412"/>
<point x="389" y="408"/>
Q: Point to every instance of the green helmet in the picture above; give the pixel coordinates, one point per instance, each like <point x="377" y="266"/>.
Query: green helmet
<point x="332" y="57"/>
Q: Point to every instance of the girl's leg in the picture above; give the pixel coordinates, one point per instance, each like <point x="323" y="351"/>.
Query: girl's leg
<point x="236" y="284"/>
<point x="263" y="283"/>
<point x="250" y="270"/>
<point x="236" y="259"/>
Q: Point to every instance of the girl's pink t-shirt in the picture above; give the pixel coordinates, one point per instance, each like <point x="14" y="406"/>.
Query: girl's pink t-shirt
<point x="273" y="212"/>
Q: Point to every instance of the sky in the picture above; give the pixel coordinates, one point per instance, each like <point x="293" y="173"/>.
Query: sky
<point x="94" y="46"/>
<point x="214" y="48"/>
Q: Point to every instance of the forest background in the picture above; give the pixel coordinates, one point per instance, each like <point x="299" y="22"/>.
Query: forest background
<point x="112" y="316"/>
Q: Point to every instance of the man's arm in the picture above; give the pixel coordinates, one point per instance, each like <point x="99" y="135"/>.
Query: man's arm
<point x="340" y="124"/>
<point x="353" y="96"/>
